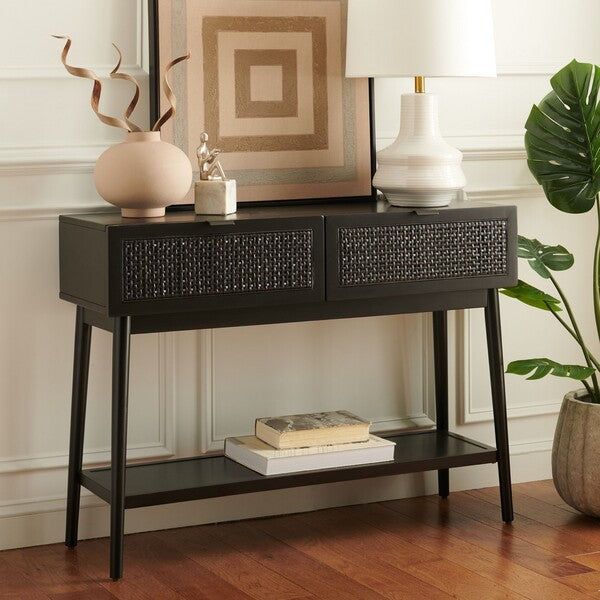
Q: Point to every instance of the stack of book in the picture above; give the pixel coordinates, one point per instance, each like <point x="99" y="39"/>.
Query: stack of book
<point x="310" y="442"/>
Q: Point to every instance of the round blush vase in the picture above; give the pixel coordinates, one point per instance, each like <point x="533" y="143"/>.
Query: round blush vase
<point x="142" y="175"/>
<point x="575" y="452"/>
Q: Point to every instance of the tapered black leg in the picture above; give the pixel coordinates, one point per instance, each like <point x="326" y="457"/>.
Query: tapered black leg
<point x="81" y="365"/>
<point x="120" y="389"/>
<point x="440" y="349"/>
<point x="496" y="360"/>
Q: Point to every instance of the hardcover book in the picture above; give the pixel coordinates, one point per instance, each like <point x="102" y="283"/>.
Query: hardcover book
<point x="266" y="460"/>
<point x="316" y="429"/>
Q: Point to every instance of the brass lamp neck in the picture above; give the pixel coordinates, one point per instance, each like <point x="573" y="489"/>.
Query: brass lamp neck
<point x="419" y="84"/>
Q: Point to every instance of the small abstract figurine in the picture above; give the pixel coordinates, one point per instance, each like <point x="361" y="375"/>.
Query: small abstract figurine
<point x="214" y="193"/>
<point x="207" y="161"/>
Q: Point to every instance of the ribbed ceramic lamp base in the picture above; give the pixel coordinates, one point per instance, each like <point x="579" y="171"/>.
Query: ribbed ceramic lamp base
<point x="409" y="198"/>
<point x="420" y="168"/>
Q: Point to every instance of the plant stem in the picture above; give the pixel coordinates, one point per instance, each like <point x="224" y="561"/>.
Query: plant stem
<point x="588" y="388"/>
<point x="589" y="358"/>
<point x="574" y="335"/>
<point x="596" y="282"/>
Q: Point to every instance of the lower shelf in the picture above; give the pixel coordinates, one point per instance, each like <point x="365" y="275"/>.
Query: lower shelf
<point x="212" y="476"/>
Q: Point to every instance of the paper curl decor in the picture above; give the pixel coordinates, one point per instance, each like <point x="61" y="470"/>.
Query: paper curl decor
<point x="125" y="122"/>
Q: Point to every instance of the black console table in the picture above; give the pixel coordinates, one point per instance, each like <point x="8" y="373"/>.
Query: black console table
<point x="275" y="265"/>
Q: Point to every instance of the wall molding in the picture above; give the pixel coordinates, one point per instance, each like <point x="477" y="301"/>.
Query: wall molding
<point x="206" y="395"/>
<point x="505" y="193"/>
<point x="532" y="447"/>
<point x="52" y="210"/>
<point x="44" y="505"/>
<point x="467" y="412"/>
<point x="78" y="159"/>
<point x="492" y="153"/>
<point x="36" y="73"/>
<point x="210" y="442"/>
<point x="481" y="147"/>
<point x="163" y="447"/>
<point x="50" y="160"/>
<point x="32" y="73"/>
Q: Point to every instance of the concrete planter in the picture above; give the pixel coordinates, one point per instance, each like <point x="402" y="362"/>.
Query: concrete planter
<point x="576" y="454"/>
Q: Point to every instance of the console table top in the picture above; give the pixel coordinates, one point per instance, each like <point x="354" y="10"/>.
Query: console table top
<point x="103" y="219"/>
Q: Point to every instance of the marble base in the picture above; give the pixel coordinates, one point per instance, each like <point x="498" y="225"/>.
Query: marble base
<point x="215" y="197"/>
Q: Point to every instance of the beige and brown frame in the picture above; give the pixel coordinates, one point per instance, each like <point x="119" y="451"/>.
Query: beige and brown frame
<point x="312" y="138"/>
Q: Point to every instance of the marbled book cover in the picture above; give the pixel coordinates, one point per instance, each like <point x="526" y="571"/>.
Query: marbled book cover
<point x="322" y="420"/>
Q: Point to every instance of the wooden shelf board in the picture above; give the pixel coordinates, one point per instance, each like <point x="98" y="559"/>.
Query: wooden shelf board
<point x="213" y="476"/>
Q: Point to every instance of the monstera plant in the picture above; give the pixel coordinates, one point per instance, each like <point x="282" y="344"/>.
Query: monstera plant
<point x="563" y="152"/>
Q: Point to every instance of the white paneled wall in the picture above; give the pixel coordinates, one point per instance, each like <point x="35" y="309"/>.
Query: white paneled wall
<point x="191" y="390"/>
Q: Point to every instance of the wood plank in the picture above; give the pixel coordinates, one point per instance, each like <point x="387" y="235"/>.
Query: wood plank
<point x="583" y="528"/>
<point x="314" y="576"/>
<point x="153" y="571"/>
<point x="54" y="573"/>
<point x="381" y="547"/>
<point x="91" y="557"/>
<point x="497" y="568"/>
<point x="558" y="542"/>
<point x="585" y="582"/>
<point x="203" y="546"/>
<point x="545" y="491"/>
<point x="497" y="541"/>
<point x="17" y="585"/>
<point x="406" y="549"/>
<point x="533" y="507"/>
<point x="321" y="544"/>
<point x="591" y="560"/>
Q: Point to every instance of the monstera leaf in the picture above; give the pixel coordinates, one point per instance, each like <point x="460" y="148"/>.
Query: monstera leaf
<point x="543" y="259"/>
<point x="540" y="367"/>
<point x="563" y="139"/>
<point x="532" y="296"/>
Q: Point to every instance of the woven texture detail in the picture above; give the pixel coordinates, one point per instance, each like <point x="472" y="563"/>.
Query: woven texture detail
<point x="420" y="252"/>
<point x="237" y="263"/>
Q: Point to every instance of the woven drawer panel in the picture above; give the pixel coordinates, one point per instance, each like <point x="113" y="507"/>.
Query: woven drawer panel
<point x="420" y="252"/>
<point x="237" y="263"/>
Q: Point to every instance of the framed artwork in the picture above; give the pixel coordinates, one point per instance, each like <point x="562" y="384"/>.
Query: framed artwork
<point x="266" y="82"/>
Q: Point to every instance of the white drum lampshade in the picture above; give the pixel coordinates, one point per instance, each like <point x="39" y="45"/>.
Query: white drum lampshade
<point x="420" y="38"/>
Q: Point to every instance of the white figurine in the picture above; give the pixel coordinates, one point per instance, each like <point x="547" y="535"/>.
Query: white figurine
<point x="214" y="193"/>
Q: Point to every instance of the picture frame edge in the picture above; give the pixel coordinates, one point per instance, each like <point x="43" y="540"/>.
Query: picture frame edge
<point x="154" y="106"/>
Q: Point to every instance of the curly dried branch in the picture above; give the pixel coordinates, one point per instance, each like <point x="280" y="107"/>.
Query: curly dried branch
<point x="97" y="89"/>
<point x="114" y="74"/>
<point x="169" y="94"/>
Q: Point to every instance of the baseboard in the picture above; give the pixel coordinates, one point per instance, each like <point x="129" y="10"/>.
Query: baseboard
<point x="43" y="522"/>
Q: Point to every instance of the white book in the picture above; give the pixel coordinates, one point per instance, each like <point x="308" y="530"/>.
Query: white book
<point x="266" y="460"/>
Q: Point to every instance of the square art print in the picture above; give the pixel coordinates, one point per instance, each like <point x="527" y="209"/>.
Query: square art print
<point x="266" y="82"/>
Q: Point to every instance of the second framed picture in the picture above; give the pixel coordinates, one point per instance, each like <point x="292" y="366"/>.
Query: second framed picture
<point x="266" y="82"/>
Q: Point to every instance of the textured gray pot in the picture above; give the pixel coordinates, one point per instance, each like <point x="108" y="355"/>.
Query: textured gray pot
<point x="576" y="454"/>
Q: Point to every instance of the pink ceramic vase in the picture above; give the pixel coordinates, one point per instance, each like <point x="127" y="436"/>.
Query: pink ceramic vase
<point x="142" y="175"/>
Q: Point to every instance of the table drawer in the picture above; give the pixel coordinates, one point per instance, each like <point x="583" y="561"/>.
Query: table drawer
<point x="216" y="266"/>
<point x="404" y="253"/>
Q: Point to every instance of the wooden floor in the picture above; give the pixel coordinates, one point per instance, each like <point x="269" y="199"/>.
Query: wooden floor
<point x="421" y="548"/>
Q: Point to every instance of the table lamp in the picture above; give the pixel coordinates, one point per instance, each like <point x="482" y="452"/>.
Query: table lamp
<point x="420" y="38"/>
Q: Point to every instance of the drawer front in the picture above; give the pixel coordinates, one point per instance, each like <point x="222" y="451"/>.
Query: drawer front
<point x="420" y="255"/>
<point x="245" y="264"/>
